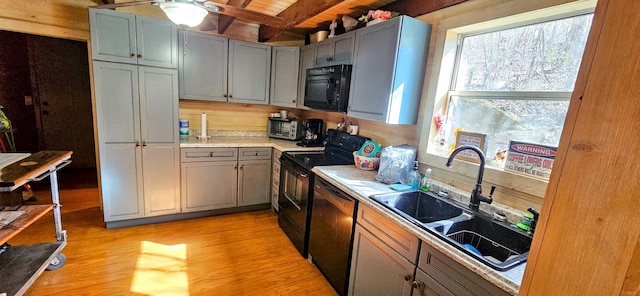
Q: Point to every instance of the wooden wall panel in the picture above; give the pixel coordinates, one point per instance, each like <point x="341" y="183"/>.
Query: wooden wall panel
<point x="385" y="134"/>
<point x="226" y="116"/>
<point x="67" y="19"/>
<point x="588" y="237"/>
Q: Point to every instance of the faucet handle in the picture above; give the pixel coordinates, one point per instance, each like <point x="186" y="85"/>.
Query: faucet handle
<point x="493" y="188"/>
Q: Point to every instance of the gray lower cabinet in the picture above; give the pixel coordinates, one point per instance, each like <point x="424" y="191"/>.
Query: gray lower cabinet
<point x="136" y="111"/>
<point x="249" y="72"/>
<point x="285" y="62"/>
<point x="203" y="66"/>
<point x="377" y="269"/>
<point x="209" y="178"/>
<point x="220" y="178"/>
<point x="389" y="89"/>
<point x="384" y="256"/>
<point x="254" y="176"/>
<point x="442" y="274"/>
<point x="127" y="38"/>
<point x="425" y="285"/>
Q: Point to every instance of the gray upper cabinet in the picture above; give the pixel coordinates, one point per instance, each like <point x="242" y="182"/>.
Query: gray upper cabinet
<point x="203" y="66"/>
<point x="307" y="61"/>
<point x="285" y="62"/>
<point x="335" y="51"/>
<point x="388" y="71"/>
<point x="127" y="38"/>
<point x="249" y="72"/>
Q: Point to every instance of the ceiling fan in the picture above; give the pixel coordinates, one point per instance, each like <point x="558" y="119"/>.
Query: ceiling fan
<point x="192" y="12"/>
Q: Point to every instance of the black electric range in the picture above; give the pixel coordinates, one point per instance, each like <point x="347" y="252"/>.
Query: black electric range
<point x="339" y="148"/>
<point x="297" y="180"/>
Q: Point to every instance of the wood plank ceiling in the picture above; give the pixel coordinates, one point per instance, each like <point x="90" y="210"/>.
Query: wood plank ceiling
<point x="303" y="17"/>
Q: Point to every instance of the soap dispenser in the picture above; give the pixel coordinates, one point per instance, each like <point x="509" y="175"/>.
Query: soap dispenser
<point x="425" y="184"/>
<point x="414" y="177"/>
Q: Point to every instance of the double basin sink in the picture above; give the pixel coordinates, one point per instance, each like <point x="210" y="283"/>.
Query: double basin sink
<point x="494" y="243"/>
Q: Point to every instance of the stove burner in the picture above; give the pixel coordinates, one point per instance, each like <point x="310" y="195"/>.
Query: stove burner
<point x="338" y="151"/>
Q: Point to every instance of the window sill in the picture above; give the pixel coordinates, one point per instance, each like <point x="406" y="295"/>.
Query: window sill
<point x="492" y="175"/>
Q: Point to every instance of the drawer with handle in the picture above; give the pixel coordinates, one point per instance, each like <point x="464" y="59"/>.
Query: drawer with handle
<point x="208" y="154"/>
<point x="255" y="153"/>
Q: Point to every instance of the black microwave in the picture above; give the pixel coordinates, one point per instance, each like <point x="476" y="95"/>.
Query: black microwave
<point x="327" y="88"/>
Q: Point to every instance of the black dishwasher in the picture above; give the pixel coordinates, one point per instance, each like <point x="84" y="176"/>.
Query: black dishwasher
<point x="331" y="233"/>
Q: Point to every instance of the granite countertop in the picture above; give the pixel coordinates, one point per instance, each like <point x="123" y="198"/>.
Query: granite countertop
<point x="361" y="184"/>
<point x="243" y="139"/>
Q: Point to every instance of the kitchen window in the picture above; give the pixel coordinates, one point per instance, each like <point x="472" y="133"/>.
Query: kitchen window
<point x="512" y="83"/>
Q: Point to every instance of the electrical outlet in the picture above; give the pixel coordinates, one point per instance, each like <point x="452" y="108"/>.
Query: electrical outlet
<point x="28" y="101"/>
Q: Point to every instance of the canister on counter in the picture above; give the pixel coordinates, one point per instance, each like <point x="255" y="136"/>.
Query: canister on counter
<point x="184" y="127"/>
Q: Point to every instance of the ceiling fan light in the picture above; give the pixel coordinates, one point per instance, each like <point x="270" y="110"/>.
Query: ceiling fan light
<point x="184" y="13"/>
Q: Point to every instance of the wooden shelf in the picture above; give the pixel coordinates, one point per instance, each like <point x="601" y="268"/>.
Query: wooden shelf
<point x="32" y="213"/>
<point x="25" y="170"/>
<point x="20" y="266"/>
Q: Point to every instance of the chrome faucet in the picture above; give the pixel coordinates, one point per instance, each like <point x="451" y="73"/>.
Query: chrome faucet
<point x="476" y="194"/>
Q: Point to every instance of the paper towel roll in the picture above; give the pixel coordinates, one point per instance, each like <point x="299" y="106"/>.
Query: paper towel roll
<point x="203" y="127"/>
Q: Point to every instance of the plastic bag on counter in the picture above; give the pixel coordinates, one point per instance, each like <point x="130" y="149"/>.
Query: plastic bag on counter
<point x="396" y="162"/>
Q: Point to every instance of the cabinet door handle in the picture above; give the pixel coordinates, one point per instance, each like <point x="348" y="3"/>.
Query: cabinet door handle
<point x="210" y="154"/>
<point x="407" y="277"/>
<point x="241" y="166"/>
<point x="224" y="95"/>
<point x="133" y="54"/>
<point x="139" y="56"/>
<point x="419" y="286"/>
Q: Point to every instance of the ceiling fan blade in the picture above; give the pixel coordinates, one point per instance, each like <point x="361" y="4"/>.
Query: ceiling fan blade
<point x="124" y="4"/>
<point x="246" y="14"/>
<point x="208" y="24"/>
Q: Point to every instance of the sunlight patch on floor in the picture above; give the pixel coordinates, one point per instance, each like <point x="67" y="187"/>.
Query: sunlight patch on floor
<point x="161" y="270"/>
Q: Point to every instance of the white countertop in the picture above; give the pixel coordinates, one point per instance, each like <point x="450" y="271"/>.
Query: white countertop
<point x="230" y="140"/>
<point x="361" y="184"/>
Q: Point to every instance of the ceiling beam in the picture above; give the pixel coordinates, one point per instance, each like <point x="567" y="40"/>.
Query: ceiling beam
<point x="295" y="14"/>
<point x="415" y="8"/>
<point x="303" y="9"/>
<point x="224" y="21"/>
<point x="108" y="1"/>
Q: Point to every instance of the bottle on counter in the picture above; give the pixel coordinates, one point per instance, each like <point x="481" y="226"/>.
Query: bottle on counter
<point x="414" y="177"/>
<point x="425" y="184"/>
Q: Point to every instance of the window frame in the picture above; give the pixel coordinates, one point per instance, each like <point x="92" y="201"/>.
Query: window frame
<point x="462" y="35"/>
<point x="506" y="95"/>
<point x="523" y="189"/>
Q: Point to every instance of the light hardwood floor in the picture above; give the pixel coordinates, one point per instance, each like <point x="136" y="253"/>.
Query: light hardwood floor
<point x="237" y="254"/>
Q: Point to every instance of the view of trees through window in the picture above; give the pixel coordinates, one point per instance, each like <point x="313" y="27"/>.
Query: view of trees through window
<point x="538" y="57"/>
<point x="514" y="84"/>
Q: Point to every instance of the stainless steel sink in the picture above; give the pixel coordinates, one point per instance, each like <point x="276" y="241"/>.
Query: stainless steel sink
<point x="491" y="242"/>
<point x="421" y="207"/>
